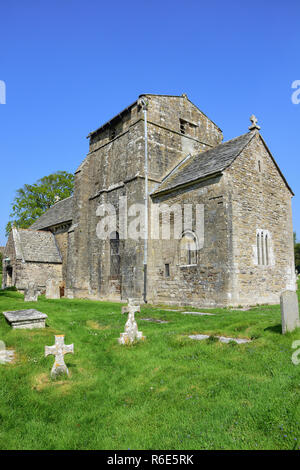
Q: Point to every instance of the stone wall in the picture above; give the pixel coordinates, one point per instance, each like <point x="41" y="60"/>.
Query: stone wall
<point x="8" y="278"/>
<point x="61" y="238"/>
<point x="39" y="273"/>
<point x="261" y="203"/>
<point x="22" y="272"/>
<point x="114" y="167"/>
<point x="205" y="282"/>
<point x="250" y="197"/>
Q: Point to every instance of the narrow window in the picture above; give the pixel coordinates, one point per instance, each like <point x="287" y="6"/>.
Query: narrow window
<point x="189" y="254"/>
<point x="262" y="248"/>
<point x="182" y="126"/>
<point x="259" y="166"/>
<point x="167" y="270"/>
<point x="114" y="255"/>
<point x="112" y="133"/>
<point x="258" y="248"/>
<point x="267" y="249"/>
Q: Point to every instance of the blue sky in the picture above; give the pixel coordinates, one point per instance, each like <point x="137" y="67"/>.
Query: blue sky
<point x="71" y="65"/>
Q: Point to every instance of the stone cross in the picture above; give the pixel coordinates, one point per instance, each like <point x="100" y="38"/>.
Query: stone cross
<point x="131" y="303"/>
<point x="289" y="311"/>
<point x="131" y="329"/>
<point x="59" y="350"/>
<point x="254" y="125"/>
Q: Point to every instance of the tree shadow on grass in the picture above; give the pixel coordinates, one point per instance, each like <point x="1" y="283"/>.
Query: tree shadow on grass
<point x="274" y="329"/>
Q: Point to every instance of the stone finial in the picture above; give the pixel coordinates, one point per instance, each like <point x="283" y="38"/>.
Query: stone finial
<point x="59" y="350"/>
<point x="56" y="199"/>
<point x="184" y="95"/>
<point x="254" y="125"/>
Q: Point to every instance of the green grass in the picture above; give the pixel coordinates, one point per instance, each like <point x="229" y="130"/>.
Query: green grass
<point x="168" y="392"/>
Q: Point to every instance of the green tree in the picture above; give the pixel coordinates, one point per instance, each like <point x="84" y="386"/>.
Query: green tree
<point x="32" y="200"/>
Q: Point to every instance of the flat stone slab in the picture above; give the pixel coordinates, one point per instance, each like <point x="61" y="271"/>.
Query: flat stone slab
<point x="169" y="310"/>
<point x="242" y="309"/>
<point x="197" y="313"/>
<point x="30" y="318"/>
<point x="154" y="320"/>
<point x="223" y="339"/>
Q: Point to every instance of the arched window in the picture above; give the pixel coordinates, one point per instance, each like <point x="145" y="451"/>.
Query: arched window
<point x="263" y="247"/>
<point x="114" y="255"/>
<point x="188" y="248"/>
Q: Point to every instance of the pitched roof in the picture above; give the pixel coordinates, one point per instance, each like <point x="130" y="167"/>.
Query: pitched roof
<point x="36" y="246"/>
<point x="59" y="213"/>
<point x="205" y="164"/>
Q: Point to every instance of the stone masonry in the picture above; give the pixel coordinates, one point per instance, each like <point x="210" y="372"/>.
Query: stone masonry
<point x="245" y="255"/>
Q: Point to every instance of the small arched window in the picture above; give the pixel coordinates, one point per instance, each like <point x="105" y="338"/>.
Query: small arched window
<point x="188" y="248"/>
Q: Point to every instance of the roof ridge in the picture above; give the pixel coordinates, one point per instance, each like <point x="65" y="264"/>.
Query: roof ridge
<point x="206" y="163"/>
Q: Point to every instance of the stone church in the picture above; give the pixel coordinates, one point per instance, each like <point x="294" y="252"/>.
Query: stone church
<point x="163" y="151"/>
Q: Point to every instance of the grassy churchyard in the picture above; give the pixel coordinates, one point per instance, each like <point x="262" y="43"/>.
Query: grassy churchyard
<point x="167" y="392"/>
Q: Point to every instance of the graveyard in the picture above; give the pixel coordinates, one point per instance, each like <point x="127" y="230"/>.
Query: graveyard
<point x="167" y="391"/>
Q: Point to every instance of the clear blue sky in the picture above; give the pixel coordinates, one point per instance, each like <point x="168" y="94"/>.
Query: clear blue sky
<point x="70" y="65"/>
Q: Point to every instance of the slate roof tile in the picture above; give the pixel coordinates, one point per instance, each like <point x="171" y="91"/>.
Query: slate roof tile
<point x="59" y="213"/>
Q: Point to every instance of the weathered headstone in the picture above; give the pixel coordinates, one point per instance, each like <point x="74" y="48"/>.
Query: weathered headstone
<point x="289" y="311"/>
<point x="30" y="318"/>
<point x="131" y="333"/>
<point x="6" y="355"/>
<point x="59" y="350"/>
<point x="52" y="289"/>
<point x="31" y="292"/>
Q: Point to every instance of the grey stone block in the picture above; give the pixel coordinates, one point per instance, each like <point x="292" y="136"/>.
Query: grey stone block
<point x="289" y="311"/>
<point x="29" y="319"/>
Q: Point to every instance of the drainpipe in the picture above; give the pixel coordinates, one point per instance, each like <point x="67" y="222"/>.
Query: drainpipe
<point x="144" y="103"/>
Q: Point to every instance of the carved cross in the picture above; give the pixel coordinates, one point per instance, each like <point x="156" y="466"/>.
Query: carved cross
<point x="59" y="350"/>
<point x="254" y="120"/>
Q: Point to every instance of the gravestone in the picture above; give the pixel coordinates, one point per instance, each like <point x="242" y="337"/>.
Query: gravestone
<point x="29" y="319"/>
<point x="31" y="293"/>
<point x="52" y="289"/>
<point x="6" y="355"/>
<point x="59" y="350"/>
<point x="289" y="311"/>
<point x="131" y="333"/>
